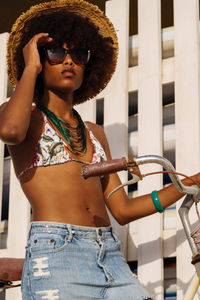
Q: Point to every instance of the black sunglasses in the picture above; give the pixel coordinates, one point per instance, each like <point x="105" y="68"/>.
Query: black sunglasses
<point x="58" y="54"/>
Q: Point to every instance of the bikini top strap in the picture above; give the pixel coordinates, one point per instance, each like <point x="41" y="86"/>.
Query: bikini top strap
<point x="44" y="116"/>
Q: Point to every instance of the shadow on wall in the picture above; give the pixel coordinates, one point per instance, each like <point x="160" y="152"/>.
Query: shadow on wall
<point x="180" y="237"/>
<point x="117" y="135"/>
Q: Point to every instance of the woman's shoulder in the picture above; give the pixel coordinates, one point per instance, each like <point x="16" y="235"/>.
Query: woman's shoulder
<point x="36" y="121"/>
<point x="35" y="112"/>
<point x="98" y="132"/>
<point x="95" y="128"/>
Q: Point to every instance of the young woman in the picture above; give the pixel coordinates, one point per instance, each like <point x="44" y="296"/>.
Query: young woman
<point x="60" y="54"/>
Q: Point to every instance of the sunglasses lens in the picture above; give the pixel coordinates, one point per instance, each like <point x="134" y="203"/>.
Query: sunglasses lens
<point x="80" y="56"/>
<point x="55" y="55"/>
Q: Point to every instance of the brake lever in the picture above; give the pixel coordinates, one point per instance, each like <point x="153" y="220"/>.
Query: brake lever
<point x="129" y="182"/>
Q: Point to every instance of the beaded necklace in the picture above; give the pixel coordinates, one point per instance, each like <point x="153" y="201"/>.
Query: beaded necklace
<point x="74" y="135"/>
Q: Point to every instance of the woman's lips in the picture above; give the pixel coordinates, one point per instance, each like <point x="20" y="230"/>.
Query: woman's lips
<point x="68" y="72"/>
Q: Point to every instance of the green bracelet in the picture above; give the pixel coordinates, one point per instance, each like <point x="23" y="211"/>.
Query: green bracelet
<point x="156" y="201"/>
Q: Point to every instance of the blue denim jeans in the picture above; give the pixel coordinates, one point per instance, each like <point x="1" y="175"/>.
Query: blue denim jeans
<point x="66" y="262"/>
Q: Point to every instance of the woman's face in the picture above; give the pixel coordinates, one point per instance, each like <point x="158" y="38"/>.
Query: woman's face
<point x="65" y="77"/>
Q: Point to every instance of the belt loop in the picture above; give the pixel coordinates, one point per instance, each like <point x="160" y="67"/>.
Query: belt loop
<point x="114" y="236"/>
<point x="69" y="227"/>
<point x="30" y="230"/>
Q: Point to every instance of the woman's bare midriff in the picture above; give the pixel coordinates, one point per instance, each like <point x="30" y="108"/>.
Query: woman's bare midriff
<point x="60" y="194"/>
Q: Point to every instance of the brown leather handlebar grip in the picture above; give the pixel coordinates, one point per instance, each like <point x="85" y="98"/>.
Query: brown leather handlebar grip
<point x="105" y="167"/>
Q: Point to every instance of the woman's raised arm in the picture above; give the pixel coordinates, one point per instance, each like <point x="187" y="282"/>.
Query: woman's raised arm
<point x="16" y="113"/>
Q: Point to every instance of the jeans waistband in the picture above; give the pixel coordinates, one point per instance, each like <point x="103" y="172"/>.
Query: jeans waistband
<point x="62" y="228"/>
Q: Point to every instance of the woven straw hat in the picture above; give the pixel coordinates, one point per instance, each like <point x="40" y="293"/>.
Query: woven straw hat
<point x="79" y="7"/>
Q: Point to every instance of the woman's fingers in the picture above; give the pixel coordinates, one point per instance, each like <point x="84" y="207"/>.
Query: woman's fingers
<point x="31" y="53"/>
<point x="40" y="39"/>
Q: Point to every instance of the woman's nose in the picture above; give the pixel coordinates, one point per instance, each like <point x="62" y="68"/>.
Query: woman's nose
<point x="68" y="60"/>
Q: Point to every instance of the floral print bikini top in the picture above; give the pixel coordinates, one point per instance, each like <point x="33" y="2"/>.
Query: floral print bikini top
<point x="51" y="149"/>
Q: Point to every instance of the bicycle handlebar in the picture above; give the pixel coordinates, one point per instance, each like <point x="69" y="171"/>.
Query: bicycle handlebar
<point x="132" y="165"/>
<point x="105" y="167"/>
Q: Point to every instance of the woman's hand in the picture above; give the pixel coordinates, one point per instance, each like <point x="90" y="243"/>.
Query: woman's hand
<point x="31" y="53"/>
<point x="195" y="179"/>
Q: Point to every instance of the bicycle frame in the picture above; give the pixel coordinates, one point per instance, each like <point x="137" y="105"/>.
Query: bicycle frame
<point x="183" y="212"/>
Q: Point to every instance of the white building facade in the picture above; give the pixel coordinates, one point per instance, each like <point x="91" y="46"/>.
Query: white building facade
<point x="151" y="106"/>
